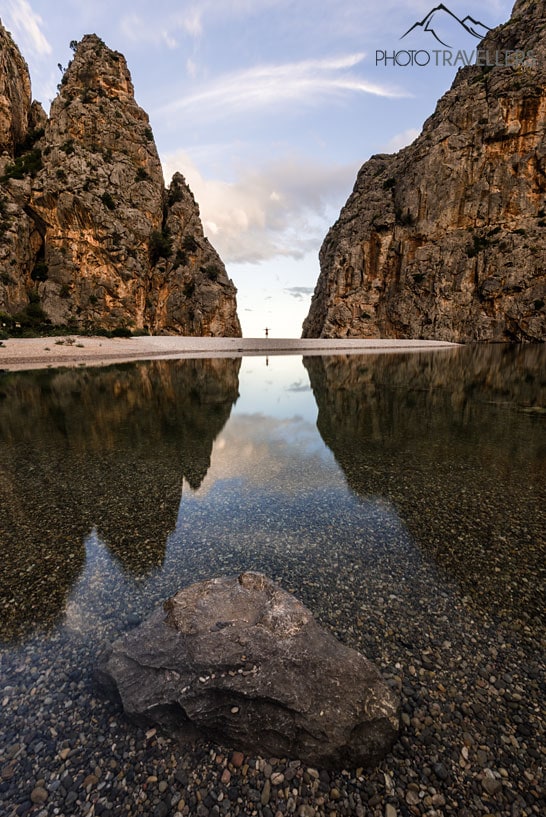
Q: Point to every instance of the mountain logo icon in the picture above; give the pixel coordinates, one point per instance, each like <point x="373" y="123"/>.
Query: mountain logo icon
<point x="439" y="22"/>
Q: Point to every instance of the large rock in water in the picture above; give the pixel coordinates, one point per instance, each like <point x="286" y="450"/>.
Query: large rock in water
<point x="446" y="239"/>
<point x="245" y="662"/>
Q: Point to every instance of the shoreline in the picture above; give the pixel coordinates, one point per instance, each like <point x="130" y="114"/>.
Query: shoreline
<point x="19" y="354"/>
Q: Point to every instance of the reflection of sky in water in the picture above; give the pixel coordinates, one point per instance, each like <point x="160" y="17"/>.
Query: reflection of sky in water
<point x="279" y="455"/>
<point x="407" y="515"/>
<point x="271" y="441"/>
<point x="274" y="497"/>
<point x="279" y="389"/>
<point x="100" y="576"/>
<point x="243" y="525"/>
<point x="402" y="468"/>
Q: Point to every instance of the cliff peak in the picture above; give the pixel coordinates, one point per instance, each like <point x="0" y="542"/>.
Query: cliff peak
<point x="96" y="70"/>
<point x="89" y="237"/>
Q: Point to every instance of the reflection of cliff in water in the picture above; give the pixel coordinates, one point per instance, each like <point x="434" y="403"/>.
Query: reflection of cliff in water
<point x="457" y="442"/>
<point x="105" y="449"/>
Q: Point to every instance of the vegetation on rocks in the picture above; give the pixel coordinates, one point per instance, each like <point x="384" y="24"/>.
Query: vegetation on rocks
<point x="85" y="220"/>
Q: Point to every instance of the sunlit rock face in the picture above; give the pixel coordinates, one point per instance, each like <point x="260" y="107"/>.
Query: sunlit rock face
<point x="15" y="98"/>
<point x="446" y="239"/>
<point x="89" y="236"/>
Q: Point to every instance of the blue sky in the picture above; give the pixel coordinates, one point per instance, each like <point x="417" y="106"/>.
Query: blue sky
<point x="268" y="107"/>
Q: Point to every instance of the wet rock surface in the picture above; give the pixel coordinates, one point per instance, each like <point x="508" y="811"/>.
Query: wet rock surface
<point x="243" y="660"/>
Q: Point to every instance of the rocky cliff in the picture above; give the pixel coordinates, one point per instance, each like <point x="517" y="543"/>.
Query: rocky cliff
<point x="447" y="238"/>
<point x="89" y="237"/>
<point x="15" y="100"/>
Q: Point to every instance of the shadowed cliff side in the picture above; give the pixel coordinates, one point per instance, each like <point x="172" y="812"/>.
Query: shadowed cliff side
<point x="446" y="239"/>
<point x="455" y="441"/>
<point x="100" y="449"/>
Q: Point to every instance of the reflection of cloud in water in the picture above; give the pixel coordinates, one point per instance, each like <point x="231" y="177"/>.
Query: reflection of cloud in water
<point x="299" y="386"/>
<point x="274" y="500"/>
<point x="276" y="455"/>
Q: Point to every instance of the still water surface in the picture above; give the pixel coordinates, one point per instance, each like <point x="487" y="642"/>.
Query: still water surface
<point x="339" y="475"/>
<point x="401" y="497"/>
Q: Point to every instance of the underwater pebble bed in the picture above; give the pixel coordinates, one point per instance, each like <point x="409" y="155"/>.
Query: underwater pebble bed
<point x="470" y="667"/>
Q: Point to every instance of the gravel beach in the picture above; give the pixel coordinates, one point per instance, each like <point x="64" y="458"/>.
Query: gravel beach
<point x="40" y="353"/>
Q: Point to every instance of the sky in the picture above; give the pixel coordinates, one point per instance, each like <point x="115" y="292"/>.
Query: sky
<point x="267" y="107"/>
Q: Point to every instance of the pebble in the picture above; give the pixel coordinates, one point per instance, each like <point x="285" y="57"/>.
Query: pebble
<point x="440" y="771"/>
<point x="491" y="785"/>
<point x="266" y="793"/>
<point x="39" y="795"/>
<point x="237" y="759"/>
<point x="412" y="798"/>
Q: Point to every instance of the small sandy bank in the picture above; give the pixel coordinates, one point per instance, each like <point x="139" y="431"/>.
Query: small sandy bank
<point x="41" y="353"/>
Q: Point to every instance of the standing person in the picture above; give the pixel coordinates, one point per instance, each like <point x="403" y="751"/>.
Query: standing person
<point x="267" y="331"/>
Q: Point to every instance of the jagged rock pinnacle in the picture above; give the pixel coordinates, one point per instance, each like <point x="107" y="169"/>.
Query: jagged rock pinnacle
<point x="90" y="238"/>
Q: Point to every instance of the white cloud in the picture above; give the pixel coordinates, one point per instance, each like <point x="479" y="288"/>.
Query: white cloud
<point x="190" y="22"/>
<point x="300" y="293"/>
<point x="401" y="140"/>
<point x="282" y="207"/>
<point x="26" y="23"/>
<point x="162" y="26"/>
<point x="263" y="86"/>
<point x="137" y="29"/>
<point x="191" y="68"/>
<point x="259" y="450"/>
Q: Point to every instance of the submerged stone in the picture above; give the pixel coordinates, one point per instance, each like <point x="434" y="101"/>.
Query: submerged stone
<point x="243" y="661"/>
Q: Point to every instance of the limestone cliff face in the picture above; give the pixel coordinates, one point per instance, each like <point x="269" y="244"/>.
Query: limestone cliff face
<point x="15" y="99"/>
<point x="447" y="238"/>
<point x="91" y="238"/>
